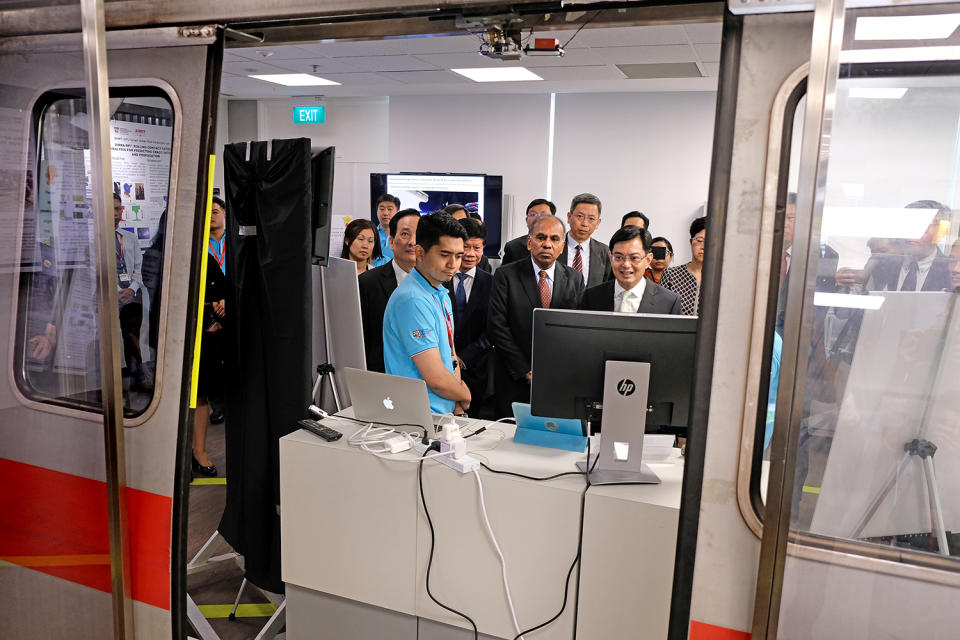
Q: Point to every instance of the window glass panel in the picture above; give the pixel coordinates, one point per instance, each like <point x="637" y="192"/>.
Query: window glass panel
<point x="882" y="389"/>
<point x="58" y="336"/>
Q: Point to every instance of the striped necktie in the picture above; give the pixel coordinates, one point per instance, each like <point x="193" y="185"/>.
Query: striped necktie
<point x="544" y="290"/>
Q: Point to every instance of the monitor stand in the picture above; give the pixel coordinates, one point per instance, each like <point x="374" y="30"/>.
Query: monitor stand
<point x="625" y="387"/>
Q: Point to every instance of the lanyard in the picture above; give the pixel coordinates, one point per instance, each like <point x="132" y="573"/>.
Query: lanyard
<point x="446" y="318"/>
<point x="217" y="252"/>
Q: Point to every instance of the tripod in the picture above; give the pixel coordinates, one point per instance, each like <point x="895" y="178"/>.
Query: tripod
<point x="325" y="370"/>
<point x="921" y="450"/>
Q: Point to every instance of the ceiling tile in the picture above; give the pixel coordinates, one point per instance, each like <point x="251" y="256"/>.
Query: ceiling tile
<point x="277" y="52"/>
<point x="710" y="33"/>
<point x="247" y="67"/>
<point x="572" y="58"/>
<point x="466" y="61"/>
<point x="348" y="79"/>
<point x="646" y="55"/>
<point x="631" y="36"/>
<point x="426" y="77"/>
<point x="317" y="65"/>
<point x="708" y="52"/>
<point x="596" y="72"/>
<point x="388" y="63"/>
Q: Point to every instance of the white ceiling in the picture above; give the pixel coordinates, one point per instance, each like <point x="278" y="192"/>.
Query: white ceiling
<point x="421" y="65"/>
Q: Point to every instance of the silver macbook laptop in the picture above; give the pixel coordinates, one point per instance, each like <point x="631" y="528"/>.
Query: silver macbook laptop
<point x="378" y="397"/>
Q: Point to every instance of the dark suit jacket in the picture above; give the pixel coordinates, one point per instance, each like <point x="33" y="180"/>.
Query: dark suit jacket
<point x="484" y="265"/>
<point x="655" y="299"/>
<point x="938" y="278"/>
<point x="510" y="323"/>
<point x="600" y="270"/>
<point x="376" y="285"/>
<point x="470" y="332"/>
<point x="515" y="250"/>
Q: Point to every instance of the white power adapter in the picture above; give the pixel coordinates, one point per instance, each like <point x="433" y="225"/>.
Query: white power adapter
<point x="397" y="444"/>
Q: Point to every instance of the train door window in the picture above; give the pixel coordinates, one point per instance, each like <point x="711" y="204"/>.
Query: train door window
<point x="57" y="351"/>
<point x="878" y="457"/>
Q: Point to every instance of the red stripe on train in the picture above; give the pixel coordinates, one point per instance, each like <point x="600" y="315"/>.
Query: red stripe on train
<point x="48" y="515"/>
<point x="704" y="631"/>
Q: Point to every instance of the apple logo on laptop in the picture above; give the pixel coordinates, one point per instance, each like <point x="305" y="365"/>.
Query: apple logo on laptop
<point x="388" y="403"/>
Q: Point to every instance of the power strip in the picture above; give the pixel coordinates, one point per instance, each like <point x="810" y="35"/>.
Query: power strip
<point x="465" y="464"/>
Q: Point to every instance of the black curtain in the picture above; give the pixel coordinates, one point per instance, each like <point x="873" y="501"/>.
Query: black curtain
<point x="268" y="198"/>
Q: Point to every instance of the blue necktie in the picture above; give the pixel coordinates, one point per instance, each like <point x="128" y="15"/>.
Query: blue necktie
<point x="460" y="296"/>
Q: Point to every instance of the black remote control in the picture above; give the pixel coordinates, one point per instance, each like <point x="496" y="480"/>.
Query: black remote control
<point x="321" y="430"/>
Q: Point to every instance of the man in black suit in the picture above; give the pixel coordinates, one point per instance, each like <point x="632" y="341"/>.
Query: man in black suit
<point x="581" y="252"/>
<point x="377" y="284"/>
<point x="630" y="292"/>
<point x="516" y="249"/>
<point x="518" y="289"/>
<point x="924" y="267"/>
<point x="470" y="292"/>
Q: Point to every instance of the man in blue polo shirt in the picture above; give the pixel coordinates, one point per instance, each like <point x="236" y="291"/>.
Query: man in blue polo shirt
<point x="387" y="207"/>
<point x="418" y="321"/>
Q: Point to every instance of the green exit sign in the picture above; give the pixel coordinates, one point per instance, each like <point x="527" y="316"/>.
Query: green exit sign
<point x="309" y="115"/>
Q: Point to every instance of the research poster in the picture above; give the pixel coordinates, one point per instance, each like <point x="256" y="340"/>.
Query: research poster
<point x="140" y="157"/>
<point x="141" y="175"/>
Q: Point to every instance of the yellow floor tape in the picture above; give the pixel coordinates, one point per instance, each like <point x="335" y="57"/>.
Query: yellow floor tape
<point x="814" y="490"/>
<point x="201" y="481"/>
<point x="264" y="610"/>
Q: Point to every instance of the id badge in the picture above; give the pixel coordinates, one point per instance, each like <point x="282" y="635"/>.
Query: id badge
<point x="124" y="279"/>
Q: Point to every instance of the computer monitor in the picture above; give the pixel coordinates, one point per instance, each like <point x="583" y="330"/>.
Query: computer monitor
<point x="571" y="349"/>
<point x="321" y="173"/>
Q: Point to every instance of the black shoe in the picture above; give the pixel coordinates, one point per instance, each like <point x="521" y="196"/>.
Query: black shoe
<point x="216" y="417"/>
<point x="210" y="471"/>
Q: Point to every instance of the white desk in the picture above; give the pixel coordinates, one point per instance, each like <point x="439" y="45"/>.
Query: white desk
<point x="356" y="542"/>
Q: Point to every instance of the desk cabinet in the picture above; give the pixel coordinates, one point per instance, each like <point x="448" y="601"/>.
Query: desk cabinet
<point x="356" y="543"/>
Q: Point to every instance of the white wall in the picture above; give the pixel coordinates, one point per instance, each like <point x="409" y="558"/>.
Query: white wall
<point x="646" y="151"/>
<point x="496" y="134"/>
<point x="358" y="127"/>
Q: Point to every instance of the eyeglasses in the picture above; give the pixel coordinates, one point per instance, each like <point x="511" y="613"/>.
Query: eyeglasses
<point x="579" y="217"/>
<point x="635" y="259"/>
<point x="697" y="240"/>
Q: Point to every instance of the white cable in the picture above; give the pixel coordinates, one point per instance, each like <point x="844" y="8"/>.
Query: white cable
<point x="503" y="562"/>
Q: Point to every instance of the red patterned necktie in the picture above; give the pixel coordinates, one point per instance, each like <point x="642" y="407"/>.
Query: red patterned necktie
<point x="578" y="260"/>
<point x="544" y="290"/>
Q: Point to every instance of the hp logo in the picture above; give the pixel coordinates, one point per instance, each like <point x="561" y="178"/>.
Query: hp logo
<point x="626" y="387"/>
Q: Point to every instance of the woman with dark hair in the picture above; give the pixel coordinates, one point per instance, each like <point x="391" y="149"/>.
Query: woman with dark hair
<point x="685" y="279"/>
<point x="360" y="244"/>
<point x="658" y="265"/>
<point x="210" y="382"/>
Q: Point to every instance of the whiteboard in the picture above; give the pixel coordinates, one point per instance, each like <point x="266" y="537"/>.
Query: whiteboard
<point x="893" y="376"/>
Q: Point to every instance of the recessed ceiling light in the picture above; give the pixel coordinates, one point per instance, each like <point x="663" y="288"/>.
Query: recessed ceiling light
<point x="294" y="79"/>
<point x="882" y="93"/>
<point x="498" y="74"/>
<point x="934" y="27"/>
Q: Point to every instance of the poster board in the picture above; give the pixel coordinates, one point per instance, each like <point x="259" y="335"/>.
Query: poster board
<point x="893" y="376"/>
<point x="342" y="320"/>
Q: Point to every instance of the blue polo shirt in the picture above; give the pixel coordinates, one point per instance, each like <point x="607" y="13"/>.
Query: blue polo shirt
<point x="416" y="320"/>
<point x="384" y="248"/>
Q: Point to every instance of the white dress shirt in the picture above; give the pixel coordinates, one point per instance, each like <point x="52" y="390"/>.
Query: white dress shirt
<point x="550" y="272"/>
<point x="923" y="268"/>
<point x="401" y="274"/>
<point x="637" y="292"/>
<point x="584" y="255"/>
<point x="468" y="278"/>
